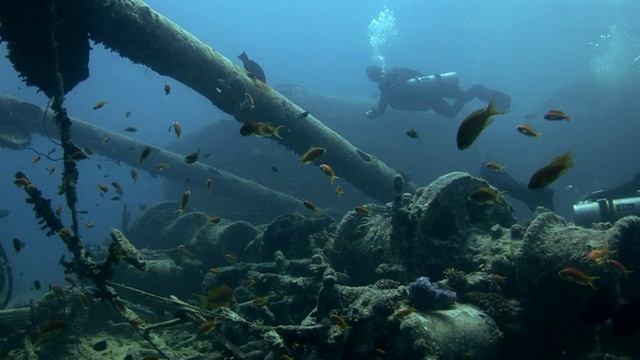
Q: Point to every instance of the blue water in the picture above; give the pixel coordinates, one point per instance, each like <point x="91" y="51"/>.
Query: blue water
<point x="529" y="49"/>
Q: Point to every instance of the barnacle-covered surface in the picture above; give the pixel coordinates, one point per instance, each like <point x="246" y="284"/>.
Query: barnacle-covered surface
<point x="308" y="287"/>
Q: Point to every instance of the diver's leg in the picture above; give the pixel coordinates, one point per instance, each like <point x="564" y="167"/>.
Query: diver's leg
<point x="442" y="107"/>
<point x="502" y="100"/>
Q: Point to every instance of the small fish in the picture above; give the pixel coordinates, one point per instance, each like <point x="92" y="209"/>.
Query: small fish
<point x="18" y="245"/>
<point x="145" y="153"/>
<point x="130" y="129"/>
<point x="36" y="285"/>
<point x="88" y="150"/>
<point x="100" y="345"/>
<point x="89" y="224"/>
<point x="213" y="219"/>
<point x="474" y="124"/>
<point x="303" y="115"/>
<point x="412" y="134"/>
<point x="193" y="157"/>
<point x="99" y="105"/>
<point x="208" y="184"/>
<point x="58" y="210"/>
<point x="214" y="270"/>
<point x="274" y="169"/>
<point x="134" y="175"/>
<point x="22" y="182"/>
<point x="52" y="170"/>
<point x="494" y="166"/>
<point x="309" y="205"/>
<point x="498" y="278"/>
<point x="313" y="153"/>
<point x="116" y="185"/>
<point x="184" y="201"/>
<point x="103" y="188"/>
<point x="35" y="159"/>
<point x="486" y="195"/>
<point x="258" y="128"/>
<point x="252" y="67"/>
<point x="327" y="170"/>
<point x="404" y="312"/>
<point x="528" y="131"/>
<point x="339" y="191"/>
<point x="286" y="357"/>
<point x="552" y="171"/>
<point x="167" y="89"/>
<point x="70" y="280"/>
<point x="248" y="101"/>
<point x="576" y="276"/>
<point x="162" y="166"/>
<point x="116" y="198"/>
<point x="53" y="326"/>
<point x="127" y="114"/>
<point x="230" y="257"/>
<point x="78" y="156"/>
<point x="183" y="250"/>
<point x="557" y="115"/>
<point x="340" y="322"/>
<point x="600" y="256"/>
<point x="99" y="167"/>
<point x="620" y="268"/>
<point x="58" y="290"/>
<point x="206" y="327"/>
<point x="361" y="209"/>
<point x="177" y="128"/>
<point x="106" y="139"/>
<point x="260" y="301"/>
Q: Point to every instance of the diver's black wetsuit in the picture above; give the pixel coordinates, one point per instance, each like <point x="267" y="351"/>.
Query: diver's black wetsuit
<point x="396" y="91"/>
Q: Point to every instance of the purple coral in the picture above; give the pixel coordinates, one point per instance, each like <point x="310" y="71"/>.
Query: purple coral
<point x="425" y="295"/>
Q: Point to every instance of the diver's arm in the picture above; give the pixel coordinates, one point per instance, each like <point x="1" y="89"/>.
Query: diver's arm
<point x="378" y="109"/>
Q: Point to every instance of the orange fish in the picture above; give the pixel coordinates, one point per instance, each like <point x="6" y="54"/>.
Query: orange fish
<point x="309" y="205"/>
<point x="486" y="195"/>
<point x="528" y="131"/>
<point x="340" y="322"/>
<point x="145" y="153"/>
<point x="474" y="124"/>
<point x="327" y="170"/>
<point x="259" y="128"/>
<point x="404" y="312"/>
<point x="313" y="153"/>
<point x="620" y="268"/>
<point x="494" y="166"/>
<point x="167" y="89"/>
<point x="184" y="201"/>
<point x="213" y="219"/>
<point x="206" y="327"/>
<point x="551" y="172"/>
<point x="557" y="115"/>
<point x="361" y="209"/>
<point x="134" y="175"/>
<point x="18" y="245"/>
<point x="177" y="128"/>
<point x="576" y="276"/>
<point x="599" y="256"/>
<point x="208" y="184"/>
<point x="99" y="105"/>
<point x="52" y="326"/>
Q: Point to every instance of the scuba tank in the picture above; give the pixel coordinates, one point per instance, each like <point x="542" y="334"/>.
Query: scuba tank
<point x="445" y="83"/>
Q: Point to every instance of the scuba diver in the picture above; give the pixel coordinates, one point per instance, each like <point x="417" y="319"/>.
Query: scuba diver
<point x="407" y="89"/>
